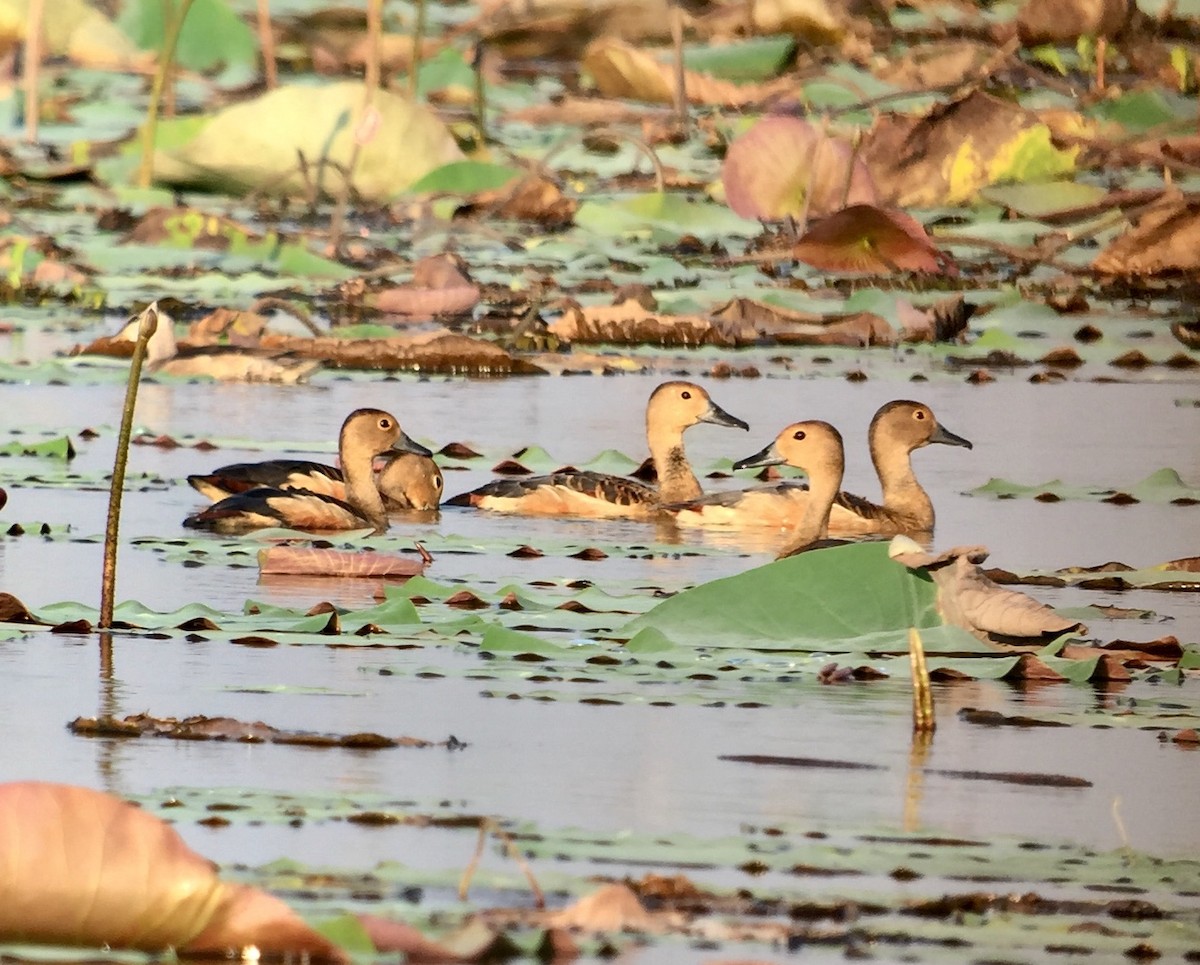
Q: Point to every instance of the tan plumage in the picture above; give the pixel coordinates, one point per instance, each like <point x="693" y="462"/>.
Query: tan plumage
<point x="673" y="408"/>
<point x="407" y="481"/>
<point x="815" y="447"/>
<point x="365" y="434"/>
<point x="897" y="429"/>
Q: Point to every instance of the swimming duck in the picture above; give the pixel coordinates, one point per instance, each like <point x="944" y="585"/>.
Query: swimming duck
<point x="816" y="447"/>
<point x="896" y="430"/>
<point x="673" y="408"/>
<point x="407" y="481"/>
<point x="365" y="434"/>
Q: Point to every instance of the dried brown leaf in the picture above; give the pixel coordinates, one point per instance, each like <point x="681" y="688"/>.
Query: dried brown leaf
<point x="967" y="598"/>
<point x="864" y="238"/>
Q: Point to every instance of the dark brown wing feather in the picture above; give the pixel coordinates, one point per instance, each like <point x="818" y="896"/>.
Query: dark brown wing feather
<point x="610" y="489"/>
<point x="241" y="477"/>
<point x="295" y="508"/>
<point x="861" y="506"/>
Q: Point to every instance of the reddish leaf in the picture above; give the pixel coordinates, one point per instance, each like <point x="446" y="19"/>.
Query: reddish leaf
<point x="864" y="238"/>
<point x="79" y="867"/>
<point x="769" y="171"/>
<point x="314" y="561"/>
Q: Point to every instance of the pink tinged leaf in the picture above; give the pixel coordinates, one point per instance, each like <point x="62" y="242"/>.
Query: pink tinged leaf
<point x="864" y="238"/>
<point x="368" y="126"/>
<point x="313" y="561"/>
<point x="770" y="169"/>
<point x="425" y="302"/>
<point x="80" y="867"/>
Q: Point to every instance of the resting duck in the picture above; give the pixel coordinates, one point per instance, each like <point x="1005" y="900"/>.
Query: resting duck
<point x="815" y="447"/>
<point x="896" y="430"/>
<point x="406" y="482"/>
<point x="673" y="408"/>
<point x="365" y="434"/>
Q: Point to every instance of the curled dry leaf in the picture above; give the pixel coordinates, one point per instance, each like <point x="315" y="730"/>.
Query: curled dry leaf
<point x="79" y="867"/>
<point x="949" y="154"/>
<point x="1065" y="21"/>
<point x="610" y="908"/>
<point x="1167" y="238"/>
<point x="631" y="323"/>
<point x="439" y="351"/>
<point x="621" y="70"/>
<point x="785" y="166"/>
<point x="317" y="561"/>
<point x="560" y="29"/>
<point x="969" y="599"/>
<point x="811" y="21"/>
<point x="864" y="238"/>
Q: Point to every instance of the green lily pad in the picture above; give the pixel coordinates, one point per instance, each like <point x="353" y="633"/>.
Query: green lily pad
<point x="1162" y="486"/>
<point x="844" y="599"/>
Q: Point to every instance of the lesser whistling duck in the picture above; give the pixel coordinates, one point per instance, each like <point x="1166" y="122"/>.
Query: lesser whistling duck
<point x="896" y="430"/>
<point x="816" y="447"/>
<point x="673" y="408"/>
<point x="365" y="434"/>
<point x="407" y="481"/>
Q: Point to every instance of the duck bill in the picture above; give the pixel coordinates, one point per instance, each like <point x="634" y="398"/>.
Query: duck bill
<point x="718" y="416"/>
<point x="405" y="444"/>
<point x="948" y="438"/>
<point x="765" y="457"/>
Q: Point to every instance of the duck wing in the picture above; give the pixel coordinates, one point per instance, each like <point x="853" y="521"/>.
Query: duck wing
<point x="241" y="477"/>
<point x="571" y="492"/>
<point x="266" y="506"/>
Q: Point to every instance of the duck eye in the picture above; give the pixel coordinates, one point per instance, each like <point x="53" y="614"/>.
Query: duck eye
<point x="385" y="423"/>
<point x="798" y="435"/>
<point x="437" y="482"/>
<point x="686" y="394"/>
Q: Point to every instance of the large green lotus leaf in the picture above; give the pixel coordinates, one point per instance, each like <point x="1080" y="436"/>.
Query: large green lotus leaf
<point x="253" y="146"/>
<point x="1042" y="198"/>
<point x="664" y="217"/>
<point x="1163" y="486"/>
<point x="213" y="36"/>
<point x="465" y="177"/>
<point x="749" y="60"/>
<point x="1139" y="111"/>
<point x="842" y="599"/>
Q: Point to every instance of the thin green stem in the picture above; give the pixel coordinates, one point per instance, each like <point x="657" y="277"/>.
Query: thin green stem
<point x="166" y="58"/>
<point x="147" y="325"/>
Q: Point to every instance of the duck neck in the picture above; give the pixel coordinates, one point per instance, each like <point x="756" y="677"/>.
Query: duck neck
<point x="902" y="494"/>
<point x="676" y="481"/>
<point x="361" y="491"/>
<point x="823" y="486"/>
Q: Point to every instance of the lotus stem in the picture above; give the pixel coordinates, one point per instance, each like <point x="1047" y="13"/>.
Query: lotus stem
<point x="480" y="94"/>
<point x="923" y="721"/>
<point x="33" y="67"/>
<point x="374" y="33"/>
<point x="488" y="826"/>
<point x="166" y="57"/>
<point x="266" y="43"/>
<point x="681" y="100"/>
<point x="147" y="325"/>
<point x="418" y="39"/>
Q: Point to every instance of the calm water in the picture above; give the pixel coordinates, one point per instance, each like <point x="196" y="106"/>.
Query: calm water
<point x="631" y="767"/>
